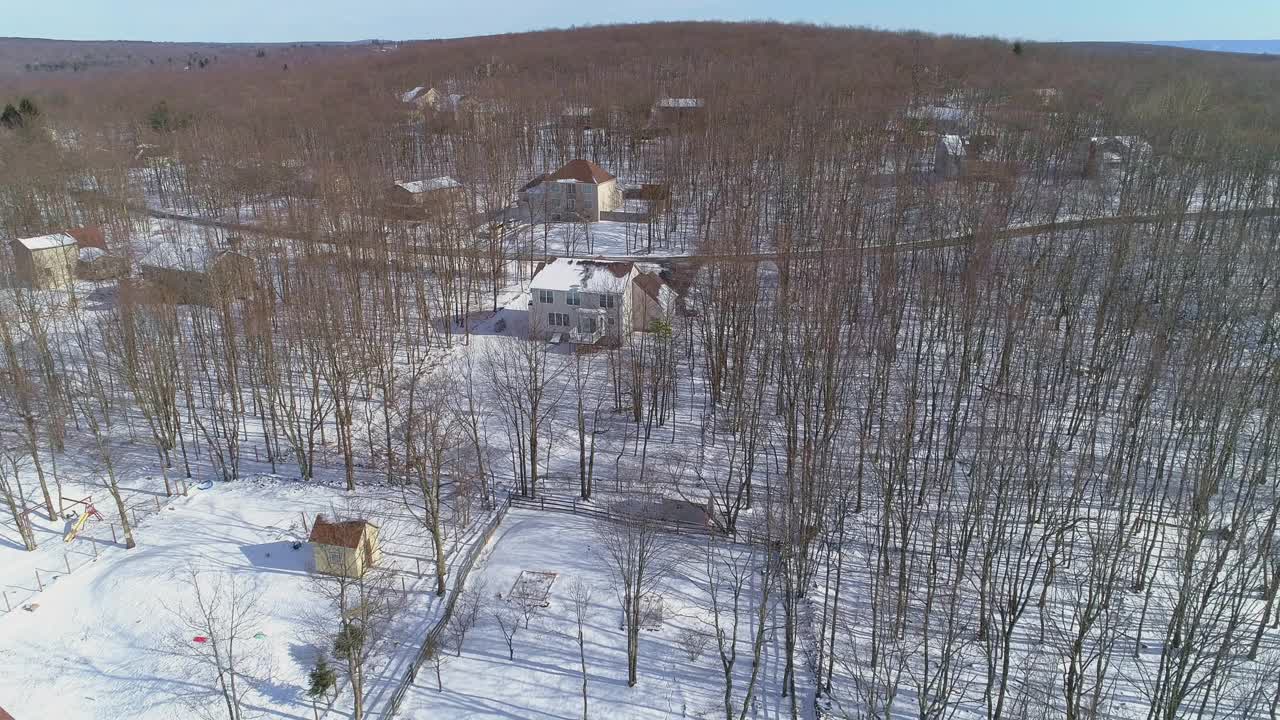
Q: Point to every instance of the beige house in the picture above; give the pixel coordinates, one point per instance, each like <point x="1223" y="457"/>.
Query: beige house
<point x="975" y="156"/>
<point x="47" y="262"/>
<point x="580" y="190"/>
<point x="1106" y="154"/>
<point x="587" y="302"/>
<point x="652" y="299"/>
<point x="676" y="113"/>
<point x="195" y="274"/>
<point x="345" y="548"/>
<point x="430" y="100"/>
<point x="435" y="195"/>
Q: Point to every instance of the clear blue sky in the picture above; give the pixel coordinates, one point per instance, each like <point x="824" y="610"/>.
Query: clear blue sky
<point x="286" y="20"/>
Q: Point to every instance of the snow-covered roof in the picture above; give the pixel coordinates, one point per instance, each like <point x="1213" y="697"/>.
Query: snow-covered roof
<point x="345" y="533"/>
<point x="577" y="111"/>
<point x="954" y="144"/>
<point x="46" y="242"/>
<point x="422" y="186"/>
<point x="89" y="254"/>
<point x="587" y="275"/>
<point x="412" y="95"/>
<point x="939" y="112"/>
<point x="680" y="103"/>
<point x="176" y="247"/>
<point x="1128" y="143"/>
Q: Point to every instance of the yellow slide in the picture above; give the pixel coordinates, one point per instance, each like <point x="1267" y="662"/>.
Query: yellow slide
<point x="84" y="517"/>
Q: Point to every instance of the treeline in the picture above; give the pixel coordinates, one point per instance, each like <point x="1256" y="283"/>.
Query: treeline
<point x="995" y="471"/>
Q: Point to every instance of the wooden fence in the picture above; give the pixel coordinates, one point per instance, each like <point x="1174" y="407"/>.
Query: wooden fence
<point x="578" y="507"/>
<point x="73" y="559"/>
<point x="430" y="641"/>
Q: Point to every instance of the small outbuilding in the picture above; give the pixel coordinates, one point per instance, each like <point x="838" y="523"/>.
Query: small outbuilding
<point x="1107" y="154"/>
<point x="432" y="196"/>
<point x="345" y="548"/>
<point x="195" y="273"/>
<point x="671" y="113"/>
<point x="46" y="262"/>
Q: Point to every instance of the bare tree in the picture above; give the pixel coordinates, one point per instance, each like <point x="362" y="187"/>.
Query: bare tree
<point x="365" y="607"/>
<point x="640" y="556"/>
<point x="522" y="374"/>
<point x="581" y="594"/>
<point x="508" y="619"/>
<point x="11" y="467"/>
<point x="218" y="624"/>
<point x="467" y="610"/>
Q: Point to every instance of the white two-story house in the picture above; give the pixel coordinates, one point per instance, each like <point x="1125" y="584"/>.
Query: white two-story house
<point x="580" y="190"/>
<point x="594" y="301"/>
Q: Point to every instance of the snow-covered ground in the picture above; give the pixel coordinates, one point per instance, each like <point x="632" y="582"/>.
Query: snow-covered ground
<point x="107" y="640"/>
<point x="600" y="238"/>
<point x="544" y="680"/>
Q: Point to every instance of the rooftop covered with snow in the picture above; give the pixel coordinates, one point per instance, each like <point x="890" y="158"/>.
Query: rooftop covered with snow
<point x="590" y="275"/>
<point x="46" y="242"/>
<point x="423" y="186"/>
<point x="680" y="103"/>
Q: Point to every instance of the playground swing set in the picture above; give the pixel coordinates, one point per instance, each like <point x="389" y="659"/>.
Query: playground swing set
<point x="78" y="518"/>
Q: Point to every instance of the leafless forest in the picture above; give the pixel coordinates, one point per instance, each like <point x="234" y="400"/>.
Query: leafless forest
<point x="1002" y="443"/>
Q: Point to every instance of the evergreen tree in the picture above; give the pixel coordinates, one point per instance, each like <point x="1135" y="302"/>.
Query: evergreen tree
<point x="11" y="118"/>
<point x="322" y="679"/>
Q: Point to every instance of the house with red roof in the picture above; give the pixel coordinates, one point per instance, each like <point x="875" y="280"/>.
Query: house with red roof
<point x="579" y="191"/>
<point x="346" y="548"/>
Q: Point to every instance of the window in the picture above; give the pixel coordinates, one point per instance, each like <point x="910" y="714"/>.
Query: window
<point x="546" y="297"/>
<point x="608" y="301"/>
<point x="587" y="324"/>
<point x="573" y="298"/>
<point x="558" y="319"/>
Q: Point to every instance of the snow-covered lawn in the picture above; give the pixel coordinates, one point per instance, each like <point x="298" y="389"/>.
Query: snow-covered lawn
<point x="545" y="681"/>
<point x="105" y="642"/>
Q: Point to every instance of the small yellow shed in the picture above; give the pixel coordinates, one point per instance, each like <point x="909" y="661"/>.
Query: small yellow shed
<point x="345" y="548"/>
<point x="47" y="262"/>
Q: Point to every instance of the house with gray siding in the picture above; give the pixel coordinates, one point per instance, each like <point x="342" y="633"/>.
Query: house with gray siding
<point x="588" y="302"/>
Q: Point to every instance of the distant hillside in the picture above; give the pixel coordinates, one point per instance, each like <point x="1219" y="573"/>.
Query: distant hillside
<point x="37" y="55"/>
<point x="1256" y="47"/>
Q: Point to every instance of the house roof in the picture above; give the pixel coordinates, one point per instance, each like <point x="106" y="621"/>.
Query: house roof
<point x="90" y="236"/>
<point x="680" y="103"/>
<point x="589" y="275"/>
<point x="422" y="186"/>
<point x="189" y="253"/>
<point x="651" y="285"/>
<point x="581" y="171"/>
<point x="192" y="256"/>
<point x="954" y="144"/>
<point x="412" y="95"/>
<point x="46" y="242"/>
<point x="535" y="182"/>
<point x="346" y="533"/>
